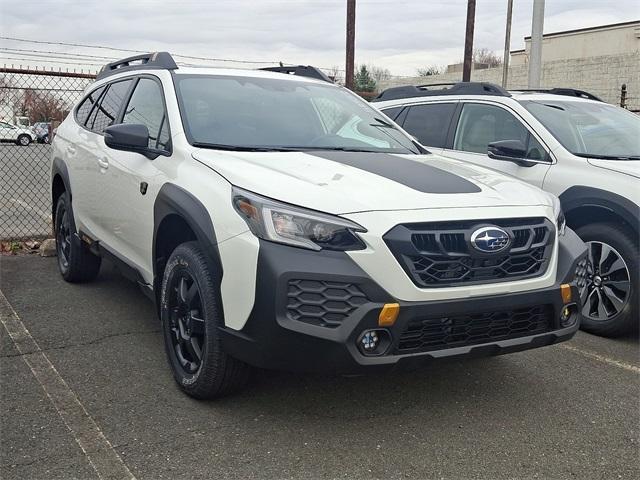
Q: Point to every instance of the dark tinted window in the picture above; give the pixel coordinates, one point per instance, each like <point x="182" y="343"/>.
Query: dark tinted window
<point x="392" y="112"/>
<point x="429" y="123"/>
<point x="480" y="125"/>
<point x="282" y="113"/>
<point x="106" y="113"/>
<point x="147" y="108"/>
<point x="85" y="107"/>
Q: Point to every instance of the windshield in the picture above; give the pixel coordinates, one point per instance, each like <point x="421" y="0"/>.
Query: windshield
<point x="263" y="113"/>
<point x="588" y="128"/>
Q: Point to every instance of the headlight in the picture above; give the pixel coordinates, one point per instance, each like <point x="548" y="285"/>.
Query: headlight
<point x="559" y="215"/>
<point x="283" y="223"/>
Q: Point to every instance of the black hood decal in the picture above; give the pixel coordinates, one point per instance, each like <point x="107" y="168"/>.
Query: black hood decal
<point x="417" y="175"/>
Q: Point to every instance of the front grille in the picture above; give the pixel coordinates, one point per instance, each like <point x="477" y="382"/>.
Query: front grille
<point x="441" y="255"/>
<point x="423" y="335"/>
<point x="321" y="303"/>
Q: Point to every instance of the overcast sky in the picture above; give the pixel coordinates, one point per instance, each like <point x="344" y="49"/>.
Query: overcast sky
<point x="401" y="35"/>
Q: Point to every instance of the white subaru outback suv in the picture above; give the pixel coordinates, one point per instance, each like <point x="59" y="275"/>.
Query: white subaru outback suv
<point x="563" y="140"/>
<point x="280" y="221"/>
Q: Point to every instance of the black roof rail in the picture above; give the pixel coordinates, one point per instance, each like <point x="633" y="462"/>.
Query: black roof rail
<point x="300" y="70"/>
<point x="459" y="88"/>
<point x="154" y="60"/>
<point x="569" y="92"/>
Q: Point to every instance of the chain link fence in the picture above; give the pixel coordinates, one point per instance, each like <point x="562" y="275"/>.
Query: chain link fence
<point x="32" y="104"/>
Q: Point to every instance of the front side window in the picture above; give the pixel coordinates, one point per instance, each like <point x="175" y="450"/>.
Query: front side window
<point x="430" y="123"/>
<point x="147" y="108"/>
<point x="480" y="124"/>
<point x="266" y="113"/>
<point x="87" y="105"/>
<point x="106" y="113"/>
<point x="591" y="129"/>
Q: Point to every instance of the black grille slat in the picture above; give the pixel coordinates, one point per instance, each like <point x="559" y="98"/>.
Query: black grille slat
<point x="422" y="335"/>
<point x="322" y="303"/>
<point x="440" y="254"/>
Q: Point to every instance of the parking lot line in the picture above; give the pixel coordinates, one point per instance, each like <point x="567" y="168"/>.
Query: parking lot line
<point x="97" y="449"/>
<point x="601" y="358"/>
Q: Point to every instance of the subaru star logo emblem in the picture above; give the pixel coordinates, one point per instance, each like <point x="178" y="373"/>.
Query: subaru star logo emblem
<point x="490" y="239"/>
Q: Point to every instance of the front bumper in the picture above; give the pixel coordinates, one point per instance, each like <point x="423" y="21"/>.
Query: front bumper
<point x="273" y="338"/>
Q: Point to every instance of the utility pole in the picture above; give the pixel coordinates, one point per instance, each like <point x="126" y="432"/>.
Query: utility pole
<point x="507" y="45"/>
<point x="351" y="40"/>
<point x="468" y="41"/>
<point x="535" y="54"/>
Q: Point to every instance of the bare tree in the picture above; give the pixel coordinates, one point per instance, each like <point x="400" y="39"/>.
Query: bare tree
<point x="489" y="57"/>
<point x="429" y="71"/>
<point x="40" y="106"/>
<point x="379" y="74"/>
<point x="335" y="73"/>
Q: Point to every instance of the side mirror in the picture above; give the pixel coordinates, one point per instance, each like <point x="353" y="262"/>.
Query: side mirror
<point x="510" y="151"/>
<point x="130" y="137"/>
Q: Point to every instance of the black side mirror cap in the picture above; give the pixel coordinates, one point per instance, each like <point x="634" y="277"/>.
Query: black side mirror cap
<point x="130" y="137"/>
<point x="510" y="151"/>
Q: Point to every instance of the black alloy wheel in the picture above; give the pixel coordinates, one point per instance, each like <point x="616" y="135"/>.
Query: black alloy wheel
<point x="63" y="238"/>
<point x="186" y="321"/>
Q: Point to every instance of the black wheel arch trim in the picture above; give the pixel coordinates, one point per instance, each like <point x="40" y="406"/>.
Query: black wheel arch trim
<point x="174" y="200"/>
<point x="583" y="196"/>
<point x="59" y="168"/>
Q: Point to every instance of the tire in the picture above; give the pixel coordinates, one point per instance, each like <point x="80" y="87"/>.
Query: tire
<point x="190" y="312"/>
<point x="23" y="140"/>
<point x="610" y="298"/>
<point x="75" y="262"/>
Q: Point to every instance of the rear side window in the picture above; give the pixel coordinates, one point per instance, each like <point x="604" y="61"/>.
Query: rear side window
<point x="146" y="107"/>
<point x="392" y="112"/>
<point x="107" y="112"/>
<point x="430" y="123"/>
<point x="87" y="104"/>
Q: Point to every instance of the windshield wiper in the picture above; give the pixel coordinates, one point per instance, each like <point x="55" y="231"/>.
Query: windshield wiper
<point x="381" y="123"/>
<point x="608" y="157"/>
<point x="238" y="148"/>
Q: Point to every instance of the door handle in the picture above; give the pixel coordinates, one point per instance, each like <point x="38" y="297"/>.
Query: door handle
<point x="103" y="162"/>
<point x="71" y="150"/>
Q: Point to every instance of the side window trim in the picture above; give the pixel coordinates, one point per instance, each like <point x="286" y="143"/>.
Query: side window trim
<point x="549" y="158"/>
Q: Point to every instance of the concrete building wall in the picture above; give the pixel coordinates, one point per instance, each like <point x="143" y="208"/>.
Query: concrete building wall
<point x="601" y="75"/>
<point x="594" y="42"/>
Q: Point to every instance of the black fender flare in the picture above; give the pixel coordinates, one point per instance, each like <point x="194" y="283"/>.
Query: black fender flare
<point x="583" y="196"/>
<point x="58" y="167"/>
<point x="174" y="200"/>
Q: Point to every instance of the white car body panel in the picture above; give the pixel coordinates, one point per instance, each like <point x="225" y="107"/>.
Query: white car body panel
<point x="329" y="186"/>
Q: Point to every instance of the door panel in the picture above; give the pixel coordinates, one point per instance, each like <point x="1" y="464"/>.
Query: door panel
<point x="96" y="191"/>
<point x="480" y="124"/>
<point x="78" y="154"/>
<point x="129" y="210"/>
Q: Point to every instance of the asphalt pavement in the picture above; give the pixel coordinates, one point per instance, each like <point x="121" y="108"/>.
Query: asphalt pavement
<point x="87" y="393"/>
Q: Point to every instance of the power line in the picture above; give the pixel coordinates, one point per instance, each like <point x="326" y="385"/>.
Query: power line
<point x="70" y="54"/>
<point x="102" y="47"/>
